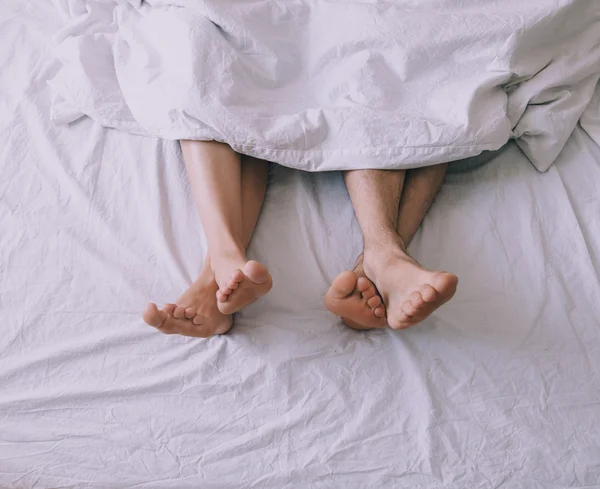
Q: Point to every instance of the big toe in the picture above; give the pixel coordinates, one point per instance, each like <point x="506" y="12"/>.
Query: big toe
<point x="445" y="284"/>
<point x="256" y="272"/>
<point x="154" y="316"/>
<point x="343" y="285"/>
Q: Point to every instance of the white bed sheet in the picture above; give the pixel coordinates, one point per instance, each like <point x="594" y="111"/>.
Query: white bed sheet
<point x="500" y="388"/>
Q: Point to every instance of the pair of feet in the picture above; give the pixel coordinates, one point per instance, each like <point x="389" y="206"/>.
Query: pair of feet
<point x="205" y="309"/>
<point x="388" y="289"/>
<point x="384" y="289"/>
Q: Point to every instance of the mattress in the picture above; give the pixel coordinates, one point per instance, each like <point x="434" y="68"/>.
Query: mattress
<point x="499" y="388"/>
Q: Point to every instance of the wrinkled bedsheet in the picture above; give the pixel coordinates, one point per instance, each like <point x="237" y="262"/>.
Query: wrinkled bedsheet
<point x="498" y="390"/>
<point x="329" y="85"/>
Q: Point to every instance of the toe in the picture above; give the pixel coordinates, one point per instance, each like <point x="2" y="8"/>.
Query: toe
<point x="445" y="285"/>
<point x="198" y="319"/>
<point x="153" y="316"/>
<point x="369" y="293"/>
<point x="363" y="284"/>
<point x="379" y="312"/>
<point x="343" y="285"/>
<point x="221" y="297"/>
<point x="190" y="313"/>
<point x="374" y="302"/>
<point x="237" y="276"/>
<point x="401" y="321"/>
<point x="417" y="299"/>
<point x="428" y="293"/>
<point x="169" y="308"/>
<point x="409" y="308"/>
<point x="179" y="312"/>
<point x="256" y="272"/>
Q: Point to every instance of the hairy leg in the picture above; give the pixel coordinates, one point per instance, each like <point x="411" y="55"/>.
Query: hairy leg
<point x="352" y="295"/>
<point x="389" y="215"/>
<point x="421" y="186"/>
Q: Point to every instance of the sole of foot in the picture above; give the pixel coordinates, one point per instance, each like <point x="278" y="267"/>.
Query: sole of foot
<point x="411" y="293"/>
<point x="354" y="299"/>
<point x="244" y="287"/>
<point x="195" y="313"/>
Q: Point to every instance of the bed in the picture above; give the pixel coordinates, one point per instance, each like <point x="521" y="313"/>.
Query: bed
<point x="498" y="389"/>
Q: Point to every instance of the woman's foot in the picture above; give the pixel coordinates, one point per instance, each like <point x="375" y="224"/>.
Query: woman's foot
<point x="352" y="296"/>
<point x="409" y="291"/>
<point x="195" y="313"/>
<point x="240" y="282"/>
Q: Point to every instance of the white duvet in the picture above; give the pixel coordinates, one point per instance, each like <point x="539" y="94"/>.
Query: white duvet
<point x="325" y="85"/>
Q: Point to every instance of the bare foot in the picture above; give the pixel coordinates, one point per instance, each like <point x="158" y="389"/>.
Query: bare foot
<point x="409" y="291"/>
<point x="240" y="283"/>
<point x="195" y="313"/>
<point x="352" y="296"/>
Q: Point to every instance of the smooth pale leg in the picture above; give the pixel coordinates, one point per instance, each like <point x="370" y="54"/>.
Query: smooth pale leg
<point x="197" y="312"/>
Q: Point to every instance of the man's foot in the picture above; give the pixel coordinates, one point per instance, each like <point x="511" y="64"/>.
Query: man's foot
<point x="410" y="292"/>
<point x="195" y="313"/>
<point x="352" y="296"/>
<point x="240" y="283"/>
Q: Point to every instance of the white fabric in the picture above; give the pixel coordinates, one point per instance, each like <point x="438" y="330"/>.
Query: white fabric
<point x="590" y="119"/>
<point x="498" y="389"/>
<point x="328" y="85"/>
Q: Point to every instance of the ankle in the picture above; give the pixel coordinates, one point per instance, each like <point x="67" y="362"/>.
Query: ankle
<point x="384" y="245"/>
<point x="378" y="258"/>
<point x="207" y="274"/>
<point x="229" y="248"/>
<point x="359" y="264"/>
<point x="226" y="257"/>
